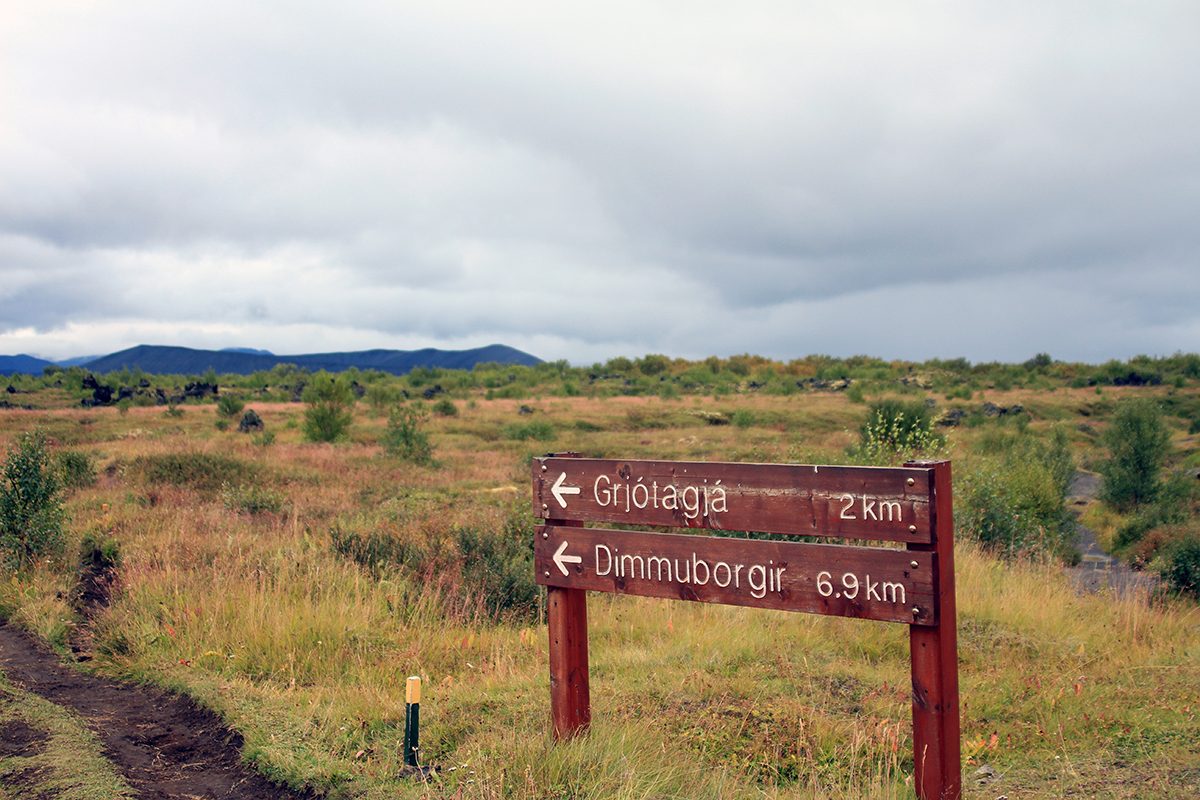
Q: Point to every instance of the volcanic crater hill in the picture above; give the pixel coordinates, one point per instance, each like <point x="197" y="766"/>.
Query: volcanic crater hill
<point x="164" y="360"/>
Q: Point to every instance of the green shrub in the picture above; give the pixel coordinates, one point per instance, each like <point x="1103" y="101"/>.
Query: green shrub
<point x="173" y="411"/>
<point x="229" y="406"/>
<point x="742" y="418"/>
<point x="897" y="429"/>
<point x="1180" y="569"/>
<point x="75" y="469"/>
<point x="382" y="395"/>
<point x="404" y="437"/>
<point x="201" y="471"/>
<point x="221" y="424"/>
<point x="445" y="408"/>
<point x="330" y="400"/>
<point x="540" y="430"/>
<point x="1138" y="442"/>
<point x="252" y="498"/>
<point x="99" y="552"/>
<point x="123" y="406"/>
<point x="1013" y="499"/>
<point x="485" y="570"/>
<point x="31" y="512"/>
<point x="1173" y="505"/>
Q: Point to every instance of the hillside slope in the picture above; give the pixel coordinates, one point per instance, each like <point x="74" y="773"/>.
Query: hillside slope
<point x="157" y="359"/>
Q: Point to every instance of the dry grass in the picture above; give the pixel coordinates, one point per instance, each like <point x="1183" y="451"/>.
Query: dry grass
<point x="306" y="653"/>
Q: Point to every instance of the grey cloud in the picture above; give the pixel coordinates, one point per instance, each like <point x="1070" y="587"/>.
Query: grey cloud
<point x="669" y="177"/>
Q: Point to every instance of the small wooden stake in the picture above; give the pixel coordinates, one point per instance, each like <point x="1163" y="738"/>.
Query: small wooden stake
<point x="412" y="720"/>
<point x="934" y="653"/>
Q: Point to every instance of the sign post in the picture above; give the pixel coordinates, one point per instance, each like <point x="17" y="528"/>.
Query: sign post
<point x="910" y="505"/>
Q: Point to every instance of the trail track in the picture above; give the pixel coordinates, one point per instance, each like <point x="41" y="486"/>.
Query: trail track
<point x="164" y="745"/>
<point x="1097" y="570"/>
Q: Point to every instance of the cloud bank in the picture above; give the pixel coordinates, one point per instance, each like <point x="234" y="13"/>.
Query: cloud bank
<point x="779" y="178"/>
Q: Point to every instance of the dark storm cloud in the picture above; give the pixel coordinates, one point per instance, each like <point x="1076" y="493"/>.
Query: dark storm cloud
<point x="780" y="178"/>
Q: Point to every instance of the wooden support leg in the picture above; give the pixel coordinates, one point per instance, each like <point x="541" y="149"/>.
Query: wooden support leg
<point x="934" y="650"/>
<point x="570" y="701"/>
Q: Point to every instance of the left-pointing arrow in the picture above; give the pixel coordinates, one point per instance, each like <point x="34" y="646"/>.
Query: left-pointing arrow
<point x="558" y="490"/>
<point x="561" y="561"/>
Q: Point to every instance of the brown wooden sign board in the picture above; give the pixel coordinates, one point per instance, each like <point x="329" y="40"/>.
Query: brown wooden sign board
<point x="865" y="582"/>
<point x="844" y="502"/>
<point x="910" y="504"/>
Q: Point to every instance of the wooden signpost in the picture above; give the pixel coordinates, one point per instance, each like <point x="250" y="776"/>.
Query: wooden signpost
<point x="915" y="586"/>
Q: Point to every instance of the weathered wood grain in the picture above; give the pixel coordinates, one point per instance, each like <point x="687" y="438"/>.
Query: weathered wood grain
<point x="744" y="572"/>
<point x="878" y="503"/>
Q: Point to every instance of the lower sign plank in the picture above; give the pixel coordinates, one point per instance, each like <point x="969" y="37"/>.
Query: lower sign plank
<point x="865" y="582"/>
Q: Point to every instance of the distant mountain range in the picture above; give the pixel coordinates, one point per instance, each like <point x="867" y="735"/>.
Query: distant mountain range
<point x="160" y="360"/>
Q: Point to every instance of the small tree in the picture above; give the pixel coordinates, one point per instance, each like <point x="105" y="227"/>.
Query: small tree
<point x="330" y="401"/>
<point x="1139" y="442"/>
<point x="31" y="512"/>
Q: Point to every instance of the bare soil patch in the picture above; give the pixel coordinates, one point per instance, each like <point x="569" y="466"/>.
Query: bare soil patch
<point x="164" y="745"/>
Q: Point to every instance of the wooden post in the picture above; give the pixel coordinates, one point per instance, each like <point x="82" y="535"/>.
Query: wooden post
<point x="934" y="651"/>
<point x="566" y="619"/>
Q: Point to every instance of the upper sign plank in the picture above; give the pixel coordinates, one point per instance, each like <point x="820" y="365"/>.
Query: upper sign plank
<point x="881" y="503"/>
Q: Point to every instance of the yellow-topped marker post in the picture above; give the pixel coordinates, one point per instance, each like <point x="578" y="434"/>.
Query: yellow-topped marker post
<point x="412" y="720"/>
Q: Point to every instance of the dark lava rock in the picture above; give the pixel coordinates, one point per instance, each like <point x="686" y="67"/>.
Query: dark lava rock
<point x="200" y="390"/>
<point x="359" y="390"/>
<point x="952" y="417"/>
<point x="251" y="421"/>
<point x="125" y="393"/>
<point x="524" y="410"/>
<point x="432" y="391"/>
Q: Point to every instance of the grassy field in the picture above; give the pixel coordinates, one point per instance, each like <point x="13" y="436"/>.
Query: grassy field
<point x="293" y="586"/>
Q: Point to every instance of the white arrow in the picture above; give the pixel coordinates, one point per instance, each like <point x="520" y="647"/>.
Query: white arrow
<point x="558" y="490"/>
<point x="561" y="561"/>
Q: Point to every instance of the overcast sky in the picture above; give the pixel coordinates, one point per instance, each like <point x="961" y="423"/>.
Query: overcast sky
<point x="581" y="181"/>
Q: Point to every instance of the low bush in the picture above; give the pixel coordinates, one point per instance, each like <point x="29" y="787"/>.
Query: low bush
<point x="1174" y="503"/>
<point x="75" y="468"/>
<point x="540" y="430"/>
<point x="1180" y="568"/>
<point x="31" y="511"/>
<point x="404" y="438"/>
<point x="897" y="429"/>
<point x="330" y="402"/>
<point x="1013" y="500"/>
<point x="743" y="418"/>
<point x="229" y="406"/>
<point x="445" y="408"/>
<point x="487" y="572"/>
<point x="252" y="498"/>
<point x="201" y="471"/>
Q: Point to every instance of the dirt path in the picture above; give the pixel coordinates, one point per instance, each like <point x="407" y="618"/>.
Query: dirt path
<point x="164" y="745"/>
<point x="1097" y="570"/>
